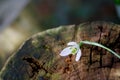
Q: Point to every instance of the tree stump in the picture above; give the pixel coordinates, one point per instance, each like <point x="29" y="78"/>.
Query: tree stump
<point x="39" y="59"/>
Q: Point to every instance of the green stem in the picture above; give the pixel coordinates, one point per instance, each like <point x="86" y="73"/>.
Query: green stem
<point x="99" y="45"/>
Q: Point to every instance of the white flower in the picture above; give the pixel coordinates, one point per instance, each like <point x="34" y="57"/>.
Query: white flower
<point x="73" y="48"/>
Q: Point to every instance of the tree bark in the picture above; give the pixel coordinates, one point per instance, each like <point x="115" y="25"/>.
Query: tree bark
<point x="39" y="59"/>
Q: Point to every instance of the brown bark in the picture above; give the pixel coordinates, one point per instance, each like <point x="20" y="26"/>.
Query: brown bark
<point x="39" y="58"/>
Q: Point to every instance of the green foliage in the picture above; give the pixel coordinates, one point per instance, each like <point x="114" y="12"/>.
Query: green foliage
<point x="117" y="2"/>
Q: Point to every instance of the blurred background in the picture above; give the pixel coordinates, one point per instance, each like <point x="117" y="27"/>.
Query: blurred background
<point x="20" y="19"/>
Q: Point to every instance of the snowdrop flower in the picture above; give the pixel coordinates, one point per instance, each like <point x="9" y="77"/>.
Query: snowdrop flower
<point x="73" y="48"/>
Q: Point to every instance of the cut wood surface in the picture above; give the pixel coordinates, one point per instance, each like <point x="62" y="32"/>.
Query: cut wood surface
<point x="39" y="59"/>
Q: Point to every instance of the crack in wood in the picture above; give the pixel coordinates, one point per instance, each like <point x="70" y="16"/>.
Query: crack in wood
<point x="35" y="65"/>
<point x="101" y="30"/>
<point x="90" y="58"/>
<point x="112" y="61"/>
<point x="101" y="55"/>
<point x="75" y="32"/>
<point x="108" y="37"/>
<point x="117" y="40"/>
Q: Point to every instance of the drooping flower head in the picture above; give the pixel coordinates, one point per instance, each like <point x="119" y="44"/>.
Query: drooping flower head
<point x="73" y="48"/>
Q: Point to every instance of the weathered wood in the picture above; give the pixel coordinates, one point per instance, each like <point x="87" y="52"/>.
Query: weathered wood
<point x="39" y="59"/>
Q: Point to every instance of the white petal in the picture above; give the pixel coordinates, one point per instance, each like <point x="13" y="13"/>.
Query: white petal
<point x="78" y="55"/>
<point x="72" y="43"/>
<point x="66" y="51"/>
